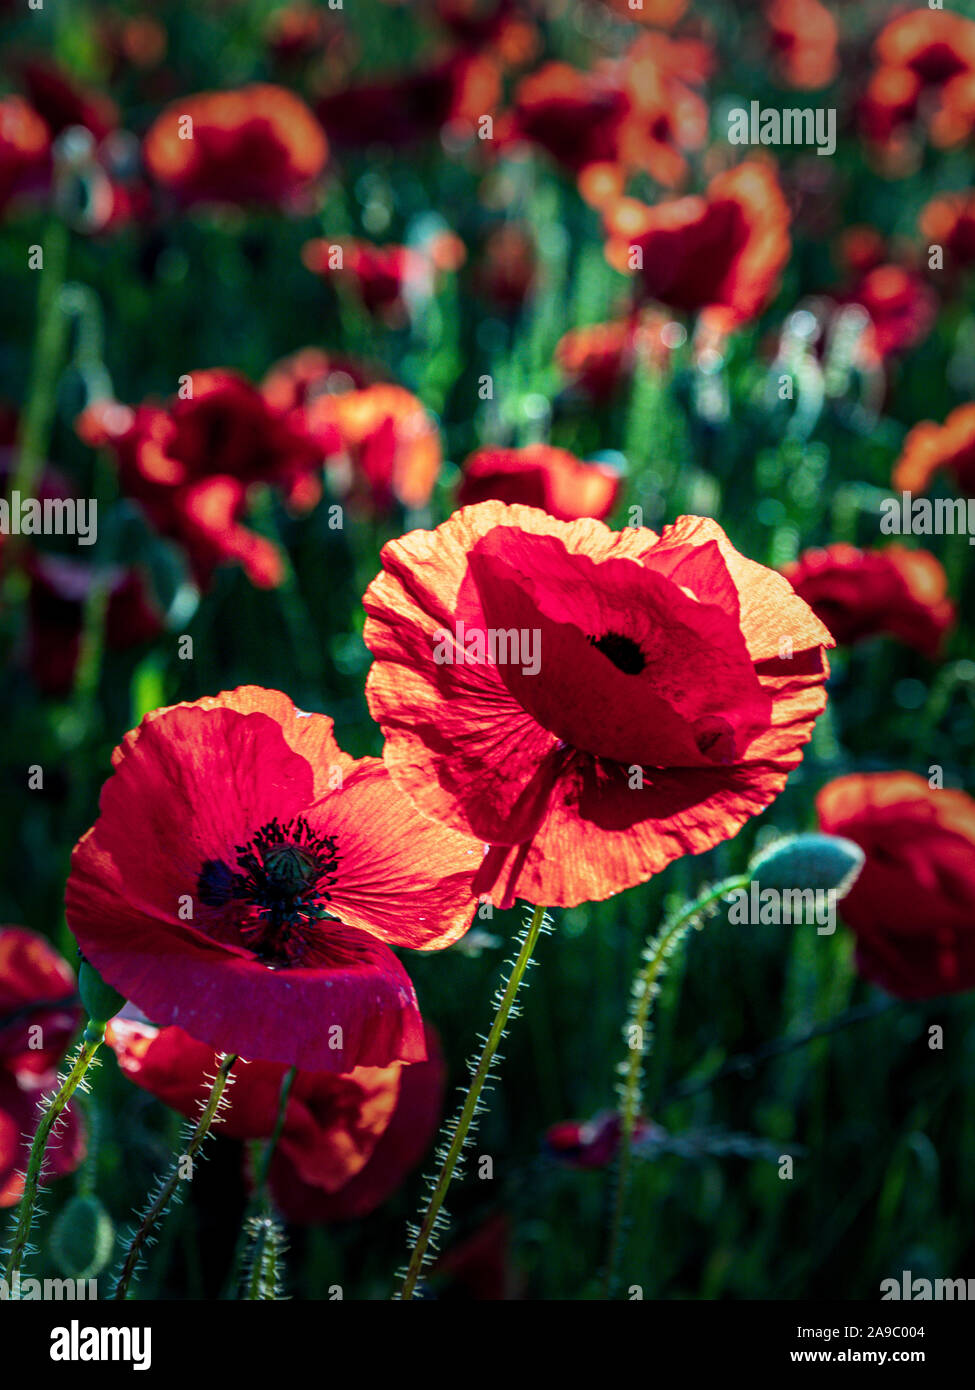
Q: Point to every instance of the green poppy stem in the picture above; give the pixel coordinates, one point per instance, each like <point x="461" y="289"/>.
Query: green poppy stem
<point x="159" y="1204"/>
<point x="54" y="1107"/>
<point x="645" y="987"/>
<point x="459" y="1129"/>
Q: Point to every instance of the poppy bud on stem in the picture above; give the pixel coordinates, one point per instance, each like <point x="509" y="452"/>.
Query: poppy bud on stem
<point x="646" y="986"/>
<point x="253" y="1246"/>
<point x="168" y="1189"/>
<point x="52" y="1107"/>
<point x="459" y="1129"/>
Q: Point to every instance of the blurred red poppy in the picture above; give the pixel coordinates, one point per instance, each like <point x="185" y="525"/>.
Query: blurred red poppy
<point x="381" y="443"/>
<point x="39" y="1014"/>
<point x="59" y="589"/>
<point x="804" y="39"/>
<point x="540" y="476"/>
<point x="347" y="1142"/>
<point x="381" y="275"/>
<point x="864" y="593"/>
<point x="653" y="692"/>
<point x="949" y="222"/>
<point x="599" y="357"/>
<point x="902" y="309"/>
<point x="725" y="249"/>
<point x="190" y="461"/>
<point x="246" y="878"/>
<point x="455" y="91"/>
<point x="913" y="906"/>
<point x="921" y="58"/>
<point x="257" y="144"/>
<point x="38" y="1009"/>
<point x="930" y="448"/>
<point x="25" y="146"/>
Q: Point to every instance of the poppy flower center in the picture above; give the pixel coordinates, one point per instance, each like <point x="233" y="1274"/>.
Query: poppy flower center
<point x="280" y="891"/>
<point x="623" y="652"/>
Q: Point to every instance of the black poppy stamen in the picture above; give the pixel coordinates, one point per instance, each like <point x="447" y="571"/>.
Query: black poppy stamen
<point x="625" y="654"/>
<point x="286" y="871"/>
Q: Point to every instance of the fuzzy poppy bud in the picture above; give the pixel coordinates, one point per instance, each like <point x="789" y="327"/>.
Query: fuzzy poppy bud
<point x="82" y="1238"/>
<point x="823" y="862"/>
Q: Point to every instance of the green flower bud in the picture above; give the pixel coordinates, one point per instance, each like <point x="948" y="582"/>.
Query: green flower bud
<point x="101" y="1001"/>
<point x="82" y="1238"/>
<point x="809" y="861"/>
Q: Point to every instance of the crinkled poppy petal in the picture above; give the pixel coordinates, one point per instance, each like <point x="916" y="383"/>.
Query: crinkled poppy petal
<point x="188" y="786"/>
<point x="634" y="669"/>
<point x="334" y="1123"/>
<point x="331" y="1122"/>
<point x="400" y="1147"/>
<point x="401" y="877"/>
<point x="357" y="1008"/>
<point x="770" y="612"/>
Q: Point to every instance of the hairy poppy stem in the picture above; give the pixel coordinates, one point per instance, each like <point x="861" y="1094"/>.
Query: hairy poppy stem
<point x="53" y="1108"/>
<point x="258" y="1211"/>
<point x="459" y="1129"/>
<point x="645" y="988"/>
<point x="159" y="1204"/>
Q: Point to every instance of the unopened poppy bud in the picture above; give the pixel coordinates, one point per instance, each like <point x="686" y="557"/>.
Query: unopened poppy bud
<point x="82" y="1238"/>
<point x="822" y="862"/>
<point x="101" y="1001"/>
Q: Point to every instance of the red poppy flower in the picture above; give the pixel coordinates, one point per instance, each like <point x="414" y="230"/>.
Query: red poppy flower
<point x="25" y="144"/>
<point x="924" y="59"/>
<point x="862" y="593"/>
<point x="190" y="462"/>
<point x="540" y="476"/>
<point x="381" y="275"/>
<point x="381" y="443"/>
<point x="593" y="1143"/>
<point x="62" y="102"/>
<point x="37" y="1004"/>
<point x="401" y="109"/>
<point x="932" y="448"/>
<point x="666" y="116"/>
<point x="658" y="694"/>
<point x="573" y="115"/>
<point x="257" y="144"/>
<point x="59" y="589"/>
<point x="295" y="381"/>
<point x="38" y="1017"/>
<point x="639" y="113"/>
<point x="804" y="38"/>
<point x="19" y="1115"/>
<point x="902" y="309"/>
<point x="949" y="222"/>
<point x="935" y="45"/>
<point x="913" y="906"/>
<point x="347" y="1140"/>
<point x="296" y="33"/>
<point x="725" y="249"/>
<point x="245" y="879"/>
<point x="599" y="357"/>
